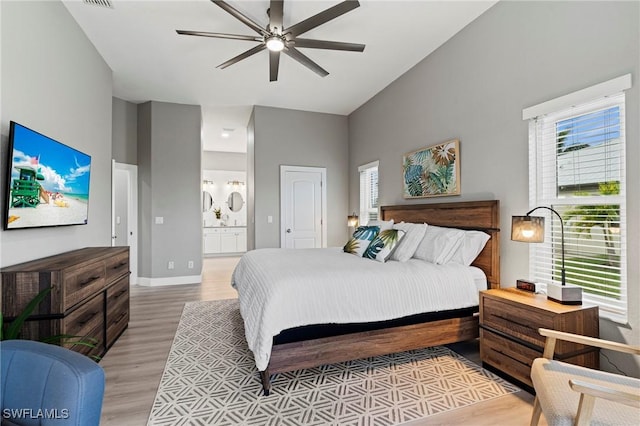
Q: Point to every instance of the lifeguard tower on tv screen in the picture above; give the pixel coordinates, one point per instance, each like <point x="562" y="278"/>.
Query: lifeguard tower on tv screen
<point x="26" y="191"/>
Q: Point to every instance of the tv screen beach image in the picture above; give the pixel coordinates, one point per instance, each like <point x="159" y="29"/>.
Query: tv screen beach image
<point x="48" y="184"/>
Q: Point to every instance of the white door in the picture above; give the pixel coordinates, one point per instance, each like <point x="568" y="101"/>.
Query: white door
<point x="124" y="227"/>
<point x="302" y="207"/>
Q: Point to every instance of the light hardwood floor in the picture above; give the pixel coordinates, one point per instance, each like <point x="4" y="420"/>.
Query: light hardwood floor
<point x="135" y="363"/>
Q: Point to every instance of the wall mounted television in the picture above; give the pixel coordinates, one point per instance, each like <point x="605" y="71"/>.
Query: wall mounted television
<point x="47" y="182"/>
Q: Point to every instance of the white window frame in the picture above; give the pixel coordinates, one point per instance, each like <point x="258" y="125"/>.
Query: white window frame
<point x="366" y="208"/>
<point x="575" y="104"/>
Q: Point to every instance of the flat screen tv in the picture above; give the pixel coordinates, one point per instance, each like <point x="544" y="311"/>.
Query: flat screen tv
<point x="47" y="182"/>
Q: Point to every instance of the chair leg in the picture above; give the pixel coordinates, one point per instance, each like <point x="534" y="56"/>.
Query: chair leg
<point x="585" y="410"/>
<point x="535" y="415"/>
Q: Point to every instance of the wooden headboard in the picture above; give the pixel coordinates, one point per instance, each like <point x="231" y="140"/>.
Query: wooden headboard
<point x="478" y="215"/>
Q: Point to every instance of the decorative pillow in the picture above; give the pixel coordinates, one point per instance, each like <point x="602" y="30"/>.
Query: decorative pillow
<point x="472" y="244"/>
<point x="439" y="244"/>
<point x="414" y="233"/>
<point x="383" y="244"/>
<point x="362" y="236"/>
<point x="382" y="224"/>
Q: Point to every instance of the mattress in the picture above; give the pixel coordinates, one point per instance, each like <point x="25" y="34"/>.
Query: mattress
<point x="279" y="289"/>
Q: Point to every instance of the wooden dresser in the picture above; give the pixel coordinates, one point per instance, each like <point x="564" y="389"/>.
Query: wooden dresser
<point x="509" y="338"/>
<point x="89" y="296"/>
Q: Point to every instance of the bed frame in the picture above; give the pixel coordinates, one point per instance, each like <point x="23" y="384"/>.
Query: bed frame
<point x="471" y="215"/>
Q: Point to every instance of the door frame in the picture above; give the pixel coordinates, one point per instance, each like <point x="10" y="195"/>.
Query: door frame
<point x="132" y="214"/>
<point x="323" y="201"/>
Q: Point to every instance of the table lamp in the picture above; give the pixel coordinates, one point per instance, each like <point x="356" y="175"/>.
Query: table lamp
<point x="530" y="229"/>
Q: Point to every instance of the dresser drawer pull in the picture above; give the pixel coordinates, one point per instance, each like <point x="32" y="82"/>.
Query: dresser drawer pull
<point x="122" y="315"/>
<point x="89" y="317"/>
<point x="120" y="293"/>
<point x="90" y="280"/>
<point x="119" y="265"/>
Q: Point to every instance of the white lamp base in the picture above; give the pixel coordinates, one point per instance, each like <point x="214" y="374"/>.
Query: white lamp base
<point x="565" y="294"/>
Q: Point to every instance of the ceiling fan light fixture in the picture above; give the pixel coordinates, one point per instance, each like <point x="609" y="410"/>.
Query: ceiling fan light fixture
<point x="274" y="43"/>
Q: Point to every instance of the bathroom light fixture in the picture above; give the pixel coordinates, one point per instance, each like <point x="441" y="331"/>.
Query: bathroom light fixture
<point x="235" y="183"/>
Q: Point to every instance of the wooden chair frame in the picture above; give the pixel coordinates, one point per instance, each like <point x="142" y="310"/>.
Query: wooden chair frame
<point x="588" y="391"/>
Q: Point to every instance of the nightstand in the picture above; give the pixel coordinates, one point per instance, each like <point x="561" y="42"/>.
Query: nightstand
<point x="509" y="338"/>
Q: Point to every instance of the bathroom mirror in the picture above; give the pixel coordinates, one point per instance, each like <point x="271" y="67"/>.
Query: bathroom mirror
<point x="207" y="201"/>
<point x="235" y="201"/>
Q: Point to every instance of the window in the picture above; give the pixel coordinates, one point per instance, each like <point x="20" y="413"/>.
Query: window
<point x="368" y="192"/>
<point x="577" y="167"/>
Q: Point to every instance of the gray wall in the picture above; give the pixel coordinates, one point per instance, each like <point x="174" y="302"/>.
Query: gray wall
<point x="298" y="138"/>
<point x="474" y="88"/>
<point x="169" y="182"/>
<point x="54" y="81"/>
<point x="217" y="160"/>
<point x="251" y="213"/>
<point x="125" y="131"/>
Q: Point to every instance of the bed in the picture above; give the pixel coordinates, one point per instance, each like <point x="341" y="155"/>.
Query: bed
<point x="381" y="308"/>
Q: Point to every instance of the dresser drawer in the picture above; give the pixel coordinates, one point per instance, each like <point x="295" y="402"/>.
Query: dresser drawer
<point x="117" y="310"/>
<point x="116" y="325"/>
<point x="80" y="283"/>
<point x="117" y="265"/>
<point x="98" y="348"/>
<point x="118" y="293"/>
<point x="518" y="321"/>
<point x="86" y="318"/>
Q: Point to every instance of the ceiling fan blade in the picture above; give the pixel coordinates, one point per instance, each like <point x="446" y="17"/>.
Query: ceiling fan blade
<point x="304" y="60"/>
<point x="324" y="44"/>
<point x="219" y="35"/>
<point x="322" y="17"/>
<point x="275" y="14"/>
<point x="274" y="64"/>
<point x="241" y="17"/>
<point x="242" y="56"/>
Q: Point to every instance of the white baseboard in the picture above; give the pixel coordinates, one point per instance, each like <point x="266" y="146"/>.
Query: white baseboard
<point x="156" y="282"/>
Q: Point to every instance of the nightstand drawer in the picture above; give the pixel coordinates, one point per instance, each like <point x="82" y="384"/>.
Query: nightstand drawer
<point x="519" y="321"/>
<point x="507" y="356"/>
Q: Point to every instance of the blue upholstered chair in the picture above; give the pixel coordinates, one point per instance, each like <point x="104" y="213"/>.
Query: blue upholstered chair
<point x="44" y="384"/>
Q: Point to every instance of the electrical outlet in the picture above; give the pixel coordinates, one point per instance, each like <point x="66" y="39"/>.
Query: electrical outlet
<point x="190" y="264"/>
<point x="170" y="265"/>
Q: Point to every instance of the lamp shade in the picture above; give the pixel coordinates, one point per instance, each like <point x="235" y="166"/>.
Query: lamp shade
<point x="528" y="229"/>
<point x="352" y="220"/>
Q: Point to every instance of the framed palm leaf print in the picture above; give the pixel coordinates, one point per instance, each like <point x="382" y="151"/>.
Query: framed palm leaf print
<point x="433" y="171"/>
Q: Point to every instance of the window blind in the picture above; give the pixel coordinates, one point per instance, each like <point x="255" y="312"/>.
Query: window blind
<point x="368" y="192"/>
<point x="577" y="168"/>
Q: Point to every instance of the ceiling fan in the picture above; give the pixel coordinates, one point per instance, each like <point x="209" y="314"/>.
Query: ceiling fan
<point x="277" y="39"/>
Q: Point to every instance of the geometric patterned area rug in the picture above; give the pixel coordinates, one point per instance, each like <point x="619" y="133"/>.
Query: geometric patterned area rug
<point x="210" y="379"/>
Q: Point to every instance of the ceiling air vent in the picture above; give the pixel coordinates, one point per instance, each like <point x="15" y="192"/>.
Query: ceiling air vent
<point x="101" y="3"/>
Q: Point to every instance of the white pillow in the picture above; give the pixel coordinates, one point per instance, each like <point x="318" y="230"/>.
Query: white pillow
<point x="382" y="224"/>
<point x="472" y="244"/>
<point x="414" y="233"/>
<point x="439" y="244"/>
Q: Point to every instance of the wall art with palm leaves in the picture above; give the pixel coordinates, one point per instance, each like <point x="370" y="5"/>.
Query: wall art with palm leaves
<point x="433" y="171"/>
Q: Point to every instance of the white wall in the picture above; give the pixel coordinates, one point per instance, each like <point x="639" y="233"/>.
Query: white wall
<point x="218" y="160"/>
<point x="474" y="88"/>
<point x="220" y="190"/>
<point x="55" y="82"/>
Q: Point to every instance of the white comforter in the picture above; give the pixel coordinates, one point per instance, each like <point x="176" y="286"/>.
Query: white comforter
<point x="285" y="288"/>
